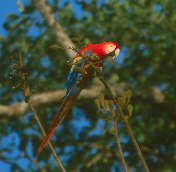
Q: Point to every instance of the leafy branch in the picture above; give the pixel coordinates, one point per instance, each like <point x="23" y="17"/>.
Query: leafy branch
<point x="108" y="106"/>
<point x="118" y="104"/>
<point x="125" y="120"/>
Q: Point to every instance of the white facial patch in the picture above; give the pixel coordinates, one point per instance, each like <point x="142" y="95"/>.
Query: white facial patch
<point x="110" y="48"/>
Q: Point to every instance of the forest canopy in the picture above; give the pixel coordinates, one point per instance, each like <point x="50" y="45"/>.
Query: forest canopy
<point x="146" y="31"/>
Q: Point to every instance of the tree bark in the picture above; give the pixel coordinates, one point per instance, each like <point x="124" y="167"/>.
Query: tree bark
<point x="20" y="108"/>
<point x="58" y="31"/>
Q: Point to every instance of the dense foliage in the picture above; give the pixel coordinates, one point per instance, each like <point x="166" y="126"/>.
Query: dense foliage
<point x="146" y="32"/>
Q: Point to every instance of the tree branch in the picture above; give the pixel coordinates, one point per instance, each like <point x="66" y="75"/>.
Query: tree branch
<point x="35" y="163"/>
<point x="61" y="36"/>
<point x="53" y="96"/>
<point x="130" y="131"/>
<point x="124" y="163"/>
<point x="20" y="108"/>
<point x="49" y="142"/>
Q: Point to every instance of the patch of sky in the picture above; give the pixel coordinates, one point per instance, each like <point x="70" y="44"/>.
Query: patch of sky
<point x="2" y="90"/>
<point x="153" y="157"/>
<point x="19" y="96"/>
<point x="111" y="143"/>
<point x="122" y="1"/>
<point x="58" y="129"/>
<point x="52" y="161"/>
<point x="10" y="142"/>
<point x="141" y="46"/>
<point x="155" y="38"/>
<point x="174" y="147"/>
<point x="133" y="169"/>
<point x="79" y="121"/>
<point x="34" y="31"/>
<point x="98" y="32"/>
<point x="76" y="8"/>
<point x="130" y="10"/>
<point x="5" y="10"/>
<point x="124" y="138"/>
<point x="26" y="60"/>
<point x="5" y="167"/>
<point x="27" y="117"/>
<point x="139" y="118"/>
<point x="157" y="7"/>
<point x="97" y="131"/>
<point x="64" y="158"/>
<point x="119" y="125"/>
<point x="54" y="137"/>
<point x="161" y="87"/>
<point x="29" y="149"/>
<point x="107" y="64"/>
<point x="50" y="115"/>
<point x="68" y="149"/>
<point x="30" y="131"/>
<point x="114" y="167"/>
<point x="126" y="154"/>
<point x="133" y="81"/>
<point x="120" y="59"/>
<point x="93" y="151"/>
<point x="114" y="107"/>
<point x="34" y="75"/>
<point x="6" y="75"/>
<point x="163" y="148"/>
<point x="45" y="61"/>
<point x="148" y="71"/>
<point x="145" y="50"/>
<point x="100" y="2"/>
<point x="132" y="26"/>
<point x="12" y="8"/>
<point x="32" y="154"/>
<point x="23" y="163"/>
<point x="42" y="77"/>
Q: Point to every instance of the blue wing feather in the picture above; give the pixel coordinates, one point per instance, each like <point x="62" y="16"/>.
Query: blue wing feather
<point x="74" y="75"/>
<point x="71" y="80"/>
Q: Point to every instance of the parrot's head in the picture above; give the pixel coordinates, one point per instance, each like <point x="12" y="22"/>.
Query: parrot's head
<point x="101" y="49"/>
<point x="106" y="48"/>
<point x="111" y="47"/>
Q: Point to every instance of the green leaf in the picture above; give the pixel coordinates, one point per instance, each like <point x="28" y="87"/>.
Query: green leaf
<point x="130" y="110"/>
<point x="20" y="6"/>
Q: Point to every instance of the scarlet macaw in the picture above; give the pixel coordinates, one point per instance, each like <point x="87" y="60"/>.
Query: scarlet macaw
<point x="80" y="73"/>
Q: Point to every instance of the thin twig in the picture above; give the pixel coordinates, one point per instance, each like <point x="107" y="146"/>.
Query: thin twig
<point x="49" y="142"/>
<point x="124" y="163"/>
<point x="130" y="131"/>
<point x="27" y="95"/>
<point x="36" y="163"/>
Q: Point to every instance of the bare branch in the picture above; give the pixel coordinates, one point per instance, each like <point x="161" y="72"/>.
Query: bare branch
<point x="36" y="163"/>
<point x="39" y="99"/>
<point x="21" y="108"/>
<point x="49" y="142"/>
<point x="124" y="163"/>
<point x="94" y="91"/>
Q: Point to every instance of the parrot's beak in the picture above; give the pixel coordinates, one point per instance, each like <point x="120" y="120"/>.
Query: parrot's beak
<point x="117" y="51"/>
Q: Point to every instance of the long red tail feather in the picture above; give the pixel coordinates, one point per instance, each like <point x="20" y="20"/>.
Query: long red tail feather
<point x="60" y="115"/>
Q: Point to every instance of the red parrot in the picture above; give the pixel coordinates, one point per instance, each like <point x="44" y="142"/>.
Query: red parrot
<point x="81" y="72"/>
